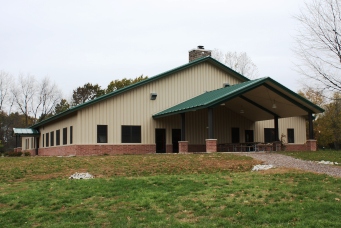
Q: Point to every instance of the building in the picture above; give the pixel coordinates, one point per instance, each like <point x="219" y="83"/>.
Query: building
<point x="197" y="107"/>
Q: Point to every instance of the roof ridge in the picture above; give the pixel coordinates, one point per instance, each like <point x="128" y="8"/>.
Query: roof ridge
<point x="116" y="92"/>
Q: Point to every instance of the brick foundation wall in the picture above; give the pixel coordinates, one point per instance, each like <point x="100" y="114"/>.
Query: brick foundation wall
<point x="81" y="150"/>
<point x="211" y="145"/>
<point x="169" y="148"/>
<point x="197" y="148"/>
<point x="310" y="145"/>
<point x="32" y="152"/>
<point x="18" y="149"/>
<point x="183" y="146"/>
<point x="295" y="147"/>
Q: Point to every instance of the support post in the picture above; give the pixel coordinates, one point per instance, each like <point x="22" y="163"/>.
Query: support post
<point x="183" y="127"/>
<point x="210" y="123"/>
<point x="311" y="126"/>
<point x="276" y="129"/>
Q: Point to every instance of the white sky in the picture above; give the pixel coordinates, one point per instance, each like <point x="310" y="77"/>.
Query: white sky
<point x="75" y="42"/>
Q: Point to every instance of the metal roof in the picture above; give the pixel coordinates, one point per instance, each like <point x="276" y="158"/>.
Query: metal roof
<point x="148" y="80"/>
<point x="216" y="97"/>
<point x="25" y="132"/>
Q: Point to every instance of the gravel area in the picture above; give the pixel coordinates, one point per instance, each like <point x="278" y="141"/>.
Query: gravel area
<point x="279" y="160"/>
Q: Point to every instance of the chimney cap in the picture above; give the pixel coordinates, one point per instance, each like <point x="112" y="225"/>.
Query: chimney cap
<point x="201" y="47"/>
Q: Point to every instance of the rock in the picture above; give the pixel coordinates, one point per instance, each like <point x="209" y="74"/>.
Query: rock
<point x="261" y="167"/>
<point x="79" y="176"/>
<point x="327" y="162"/>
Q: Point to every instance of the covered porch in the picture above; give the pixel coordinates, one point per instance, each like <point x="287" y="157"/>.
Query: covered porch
<point x="240" y="107"/>
<point x="29" y="145"/>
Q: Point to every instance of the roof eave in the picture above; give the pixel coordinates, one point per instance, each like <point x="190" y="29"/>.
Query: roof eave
<point x="148" y="80"/>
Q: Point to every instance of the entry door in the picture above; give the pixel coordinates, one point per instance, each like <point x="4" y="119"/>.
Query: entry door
<point x="249" y="136"/>
<point x="160" y="140"/>
<point x="235" y="135"/>
<point x="176" y="137"/>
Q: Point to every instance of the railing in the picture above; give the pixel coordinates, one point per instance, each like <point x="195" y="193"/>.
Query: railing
<point x="248" y="147"/>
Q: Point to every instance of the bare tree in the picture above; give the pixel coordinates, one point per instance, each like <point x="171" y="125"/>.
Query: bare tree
<point x="5" y="84"/>
<point x="318" y="44"/>
<point x="23" y="93"/>
<point x="239" y="62"/>
<point x="46" y="99"/>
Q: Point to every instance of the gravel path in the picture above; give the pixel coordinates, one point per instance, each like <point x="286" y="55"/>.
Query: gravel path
<point x="279" y="160"/>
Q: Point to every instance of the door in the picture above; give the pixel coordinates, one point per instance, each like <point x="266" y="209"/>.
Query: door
<point x="235" y="135"/>
<point x="176" y="137"/>
<point x="248" y="135"/>
<point x="160" y="140"/>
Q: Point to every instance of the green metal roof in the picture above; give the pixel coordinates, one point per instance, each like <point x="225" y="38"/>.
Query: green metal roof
<point x="130" y="87"/>
<point x="216" y="97"/>
<point x="25" y="132"/>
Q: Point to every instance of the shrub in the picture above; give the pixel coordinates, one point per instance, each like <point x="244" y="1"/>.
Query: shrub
<point x="14" y="154"/>
<point x="27" y="153"/>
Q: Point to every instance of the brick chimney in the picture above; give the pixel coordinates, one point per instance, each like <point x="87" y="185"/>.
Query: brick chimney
<point x="198" y="53"/>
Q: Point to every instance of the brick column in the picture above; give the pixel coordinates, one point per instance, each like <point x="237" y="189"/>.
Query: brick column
<point x="211" y="145"/>
<point x="183" y="146"/>
<point x="311" y="145"/>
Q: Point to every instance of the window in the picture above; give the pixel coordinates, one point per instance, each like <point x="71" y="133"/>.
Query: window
<point x="291" y="136"/>
<point x="131" y="134"/>
<point x="64" y="136"/>
<point x="235" y="135"/>
<point x="52" y="138"/>
<point x="269" y="135"/>
<point x="26" y="143"/>
<point x="102" y="133"/>
<point x="57" y="137"/>
<point x="43" y="140"/>
<point x="47" y="139"/>
<point x="71" y="129"/>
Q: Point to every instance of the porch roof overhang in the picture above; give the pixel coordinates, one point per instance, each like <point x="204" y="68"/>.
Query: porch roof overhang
<point x="25" y="132"/>
<point x="256" y="98"/>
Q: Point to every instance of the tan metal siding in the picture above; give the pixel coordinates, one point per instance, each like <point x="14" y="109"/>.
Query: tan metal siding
<point x="297" y="123"/>
<point x="64" y="123"/>
<point x="135" y="107"/>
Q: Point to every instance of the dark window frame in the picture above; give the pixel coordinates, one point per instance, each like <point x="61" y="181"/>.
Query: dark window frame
<point x="58" y="137"/>
<point x="52" y="138"/>
<point x="131" y="134"/>
<point x="64" y="135"/>
<point x="71" y="134"/>
<point x="102" y="133"/>
<point x="291" y="135"/>
<point x="269" y="135"/>
<point x="47" y="139"/>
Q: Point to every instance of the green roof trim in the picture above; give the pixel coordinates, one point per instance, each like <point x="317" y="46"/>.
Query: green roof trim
<point x="216" y="97"/>
<point x="209" y="99"/>
<point x="148" y="80"/>
<point x="25" y="132"/>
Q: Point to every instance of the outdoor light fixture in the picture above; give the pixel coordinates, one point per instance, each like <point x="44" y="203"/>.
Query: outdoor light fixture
<point x="222" y="104"/>
<point x="153" y="96"/>
<point x="241" y="111"/>
<point x="274" y="104"/>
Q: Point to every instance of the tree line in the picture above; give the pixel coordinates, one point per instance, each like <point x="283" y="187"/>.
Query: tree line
<point x="26" y="100"/>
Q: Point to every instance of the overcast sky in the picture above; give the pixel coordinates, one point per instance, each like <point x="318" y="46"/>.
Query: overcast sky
<point x="75" y="42"/>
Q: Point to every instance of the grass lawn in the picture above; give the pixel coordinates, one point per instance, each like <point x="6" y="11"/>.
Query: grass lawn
<point x="202" y="190"/>
<point x="333" y="156"/>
